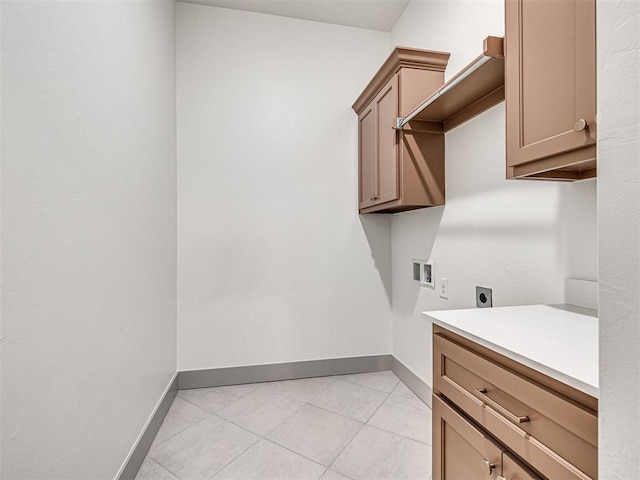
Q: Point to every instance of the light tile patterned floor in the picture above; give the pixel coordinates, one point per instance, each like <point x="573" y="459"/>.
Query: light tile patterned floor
<point x="366" y="426"/>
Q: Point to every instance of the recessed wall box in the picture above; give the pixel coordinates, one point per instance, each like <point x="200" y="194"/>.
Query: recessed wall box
<point x="417" y="267"/>
<point x="423" y="273"/>
<point x="427" y="279"/>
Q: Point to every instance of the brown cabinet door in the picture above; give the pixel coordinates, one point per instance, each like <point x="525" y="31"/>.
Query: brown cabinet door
<point x="550" y="77"/>
<point x="386" y="113"/>
<point x="460" y="450"/>
<point x="512" y="469"/>
<point x="367" y="163"/>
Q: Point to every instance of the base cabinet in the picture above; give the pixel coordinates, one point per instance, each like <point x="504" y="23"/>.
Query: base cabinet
<point x="496" y="418"/>
<point x="460" y="450"/>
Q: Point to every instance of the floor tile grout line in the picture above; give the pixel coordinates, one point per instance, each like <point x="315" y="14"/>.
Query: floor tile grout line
<point x="262" y="436"/>
<point x="239" y="426"/>
<point x="284" y="420"/>
<point x="345" y="447"/>
<point x="414" y="397"/>
<point x="413" y="394"/>
<point x="367" y="386"/>
<point x="358" y="433"/>
<point x="290" y="396"/>
<point x="325" y="410"/>
<point x="297" y="453"/>
<point x="259" y="437"/>
<point x="342" y="474"/>
<point x="376" y="428"/>
<point x="235" y="458"/>
<point x="351" y="418"/>
<point x="190" y="402"/>
<point x="376" y="410"/>
<point x="209" y="415"/>
<point x="329" y="467"/>
<point x="165" y="468"/>
<point x="390" y="431"/>
<point x="222" y="386"/>
<point x="336" y="413"/>
<point x="343" y="416"/>
<point x="327" y="387"/>
<point x="399" y="435"/>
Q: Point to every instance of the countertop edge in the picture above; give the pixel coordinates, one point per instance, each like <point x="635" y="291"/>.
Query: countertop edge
<point x="539" y="367"/>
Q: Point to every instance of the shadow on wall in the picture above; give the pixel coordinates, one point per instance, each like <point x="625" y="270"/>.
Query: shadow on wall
<point x="377" y="228"/>
<point x="415" y="233"/>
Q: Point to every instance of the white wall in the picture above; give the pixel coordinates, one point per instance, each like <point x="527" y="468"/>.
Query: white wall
<point x="619" y="215"/>
<point x="516" y="237"/>
<point x="581" y="230"/>
<point x="88" y="231"/>
<point x="274" y="264"/>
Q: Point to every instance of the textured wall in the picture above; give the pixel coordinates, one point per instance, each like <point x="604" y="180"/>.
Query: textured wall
<point x="88" y="231"/>
<point x="619" y="217"/>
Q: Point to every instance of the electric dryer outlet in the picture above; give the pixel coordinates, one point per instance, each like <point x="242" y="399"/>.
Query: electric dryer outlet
<point x="484" y="298"/>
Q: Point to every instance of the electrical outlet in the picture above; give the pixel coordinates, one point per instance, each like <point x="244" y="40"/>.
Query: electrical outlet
<point x="483" y="297"/>
<point x="443" y="287"/>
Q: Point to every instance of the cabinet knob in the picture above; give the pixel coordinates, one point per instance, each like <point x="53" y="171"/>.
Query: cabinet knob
<point x="488" y="466"/>
<point x="580" y="125"/>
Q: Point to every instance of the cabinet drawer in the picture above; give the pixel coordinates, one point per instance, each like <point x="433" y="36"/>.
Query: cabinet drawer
<point x="545" y="428"/>
<point x="512" y="469"/>
<point x="461" y="450"/>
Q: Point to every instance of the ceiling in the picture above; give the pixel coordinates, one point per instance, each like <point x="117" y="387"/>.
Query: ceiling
<point x="371" y="14"/>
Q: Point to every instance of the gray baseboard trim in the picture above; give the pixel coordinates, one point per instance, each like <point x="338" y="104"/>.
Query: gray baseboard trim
<point x="217" y="377"/>
<point x="137" y="455"/>
<point x="411" y="380"/>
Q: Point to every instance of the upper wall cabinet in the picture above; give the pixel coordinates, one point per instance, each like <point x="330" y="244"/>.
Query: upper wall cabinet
<point x="550" y="89"/>
<point x="400" y="168"/>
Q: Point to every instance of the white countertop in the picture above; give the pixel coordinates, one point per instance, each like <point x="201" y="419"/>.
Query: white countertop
<point x="560" y="341"/>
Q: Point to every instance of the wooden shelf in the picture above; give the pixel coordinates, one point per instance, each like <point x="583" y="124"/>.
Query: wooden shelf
<point x="476" y="88"/>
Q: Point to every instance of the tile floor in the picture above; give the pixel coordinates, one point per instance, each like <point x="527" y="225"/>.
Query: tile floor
<point x="365" y="426"/>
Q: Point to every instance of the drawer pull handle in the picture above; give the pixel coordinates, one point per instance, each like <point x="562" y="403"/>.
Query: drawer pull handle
<point x="500" y="408"/>
<point x="487" y="467"/>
